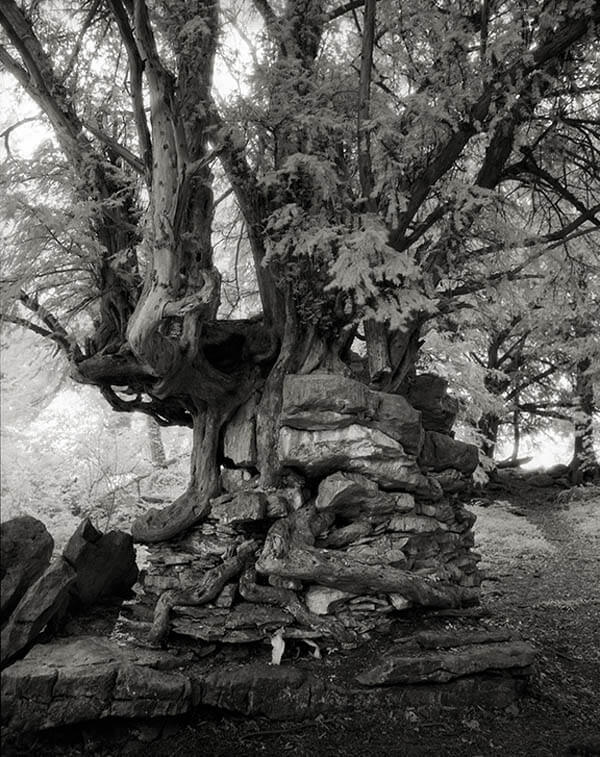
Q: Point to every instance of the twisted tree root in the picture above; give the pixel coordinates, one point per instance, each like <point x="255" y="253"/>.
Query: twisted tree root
<point x="288" y="600"/>
<point x="210" y="587"/>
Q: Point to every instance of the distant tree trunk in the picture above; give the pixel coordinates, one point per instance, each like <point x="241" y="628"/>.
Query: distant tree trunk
<point x="516" y="433"/>
<point x="488" y="426"/>
<point x="157" y="448"/>
<point x="584" y="454"/>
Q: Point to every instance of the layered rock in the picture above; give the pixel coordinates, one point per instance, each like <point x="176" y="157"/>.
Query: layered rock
<point x="428" y="393"/>
<point x="81" y="679"/>
<point x="367" y="528"/>
<point x="104" y="563"/>
<point x="93" y="566"/>
<point x="25" y="551"/>
<point x="45" y="602"/>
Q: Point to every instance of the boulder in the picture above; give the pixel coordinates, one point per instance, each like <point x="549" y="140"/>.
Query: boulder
<point x="354" y="449"/>
<point x="46" y="601"/>
<point x="78" y="679"/>
<point x="323" y="600"/>
<point x="428" y="394"/>
<point x="441" y="452"/>
<point x="328" y="401"/>
<point x="25" y="551"/>
<point x="104" y="563"/>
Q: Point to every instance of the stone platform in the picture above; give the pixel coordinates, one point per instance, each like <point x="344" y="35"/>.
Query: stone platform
<point x="78" y="679"/>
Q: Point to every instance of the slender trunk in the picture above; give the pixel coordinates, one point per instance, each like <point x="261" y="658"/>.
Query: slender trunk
<point x="488" y="427"/>
<point x="516" y="434"/>
<point x="157" y="449"/>
<point x="584" y="453"/>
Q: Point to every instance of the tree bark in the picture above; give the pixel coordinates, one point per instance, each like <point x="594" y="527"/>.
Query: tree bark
<point x="155" y="442"/>
<point x="584" y="458"/>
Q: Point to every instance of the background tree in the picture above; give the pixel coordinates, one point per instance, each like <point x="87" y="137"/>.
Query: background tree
<point x="387" y="163"/>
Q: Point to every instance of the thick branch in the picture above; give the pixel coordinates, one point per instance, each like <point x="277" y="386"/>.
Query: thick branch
<point x="58" y="333"/>
<point x="364" y="98"/>
<point x="447" y="153"/>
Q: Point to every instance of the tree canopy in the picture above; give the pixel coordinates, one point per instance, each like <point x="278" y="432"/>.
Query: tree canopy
<point x="381" y="171"/>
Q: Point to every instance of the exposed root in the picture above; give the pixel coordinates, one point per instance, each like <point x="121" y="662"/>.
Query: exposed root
<point x="288" y="600"/>
<point x="210" y="587"/>
<point x="160" y="525"/>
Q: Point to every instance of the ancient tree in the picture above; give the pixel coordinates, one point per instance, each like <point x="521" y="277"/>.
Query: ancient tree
<point x="388" y="161"/>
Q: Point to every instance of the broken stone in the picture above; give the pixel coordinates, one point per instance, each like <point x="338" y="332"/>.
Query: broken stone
<point x="322" y="600"/>
<point x="285" y="583"/>
<point x="239" y="439"/>
<point x="440" y="452"/>
<point x="416" y="524"/>
<point x="246" y="622"/>
<point x="355" y="449"/>
<point x="399" y="602"/>
<point x="240" y="508"/>
<point x="385" y="549"/>
<point x="25" y="551"/>
<point x="81" y="679"/>
<point x="326" y="401"/>
<point x="444" y="666"/>
<point x="237" y="479"/>
<point x="227" y="596"/>
<point x="45" y="602"/>
<point x="341" y="537"/>
<point x="452" y="481"/>
<point x="104" y="563"/>
<point x="339" y="491"/>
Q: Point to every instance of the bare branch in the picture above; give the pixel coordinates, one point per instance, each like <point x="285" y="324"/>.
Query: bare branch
<point x="119" y="149"/>
<point x="269" y="17"/>
<point x="76" y="50"/>
<point x="136" y="67"/>
<point x="448" y="152"/>
<point x="54" y="329"/>
<point x="343" y="9"/>
<point x="5" y="135"/>
<point x="364" y="156"/>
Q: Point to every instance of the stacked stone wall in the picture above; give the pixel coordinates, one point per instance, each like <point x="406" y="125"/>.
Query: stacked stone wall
<point x="367" y="526"/>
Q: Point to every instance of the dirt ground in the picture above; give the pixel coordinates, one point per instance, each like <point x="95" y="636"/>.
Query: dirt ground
<point x="541" y="554"/>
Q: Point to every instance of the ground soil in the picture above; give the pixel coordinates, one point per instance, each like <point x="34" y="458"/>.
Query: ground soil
<point x="541" y="558"/>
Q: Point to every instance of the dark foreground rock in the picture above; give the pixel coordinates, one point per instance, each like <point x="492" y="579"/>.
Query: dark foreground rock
<point x="104" y="563"/>
<point x="45" y="603"/>
<point x="93" y="566"/>
<point x="89" y="678"/>
<point x="25" y="551"/>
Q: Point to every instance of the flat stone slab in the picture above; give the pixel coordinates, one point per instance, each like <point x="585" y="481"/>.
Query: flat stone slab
<point x="89" y="678"/>
<point x="440" y="666"/>
<point x="78" y="679"/>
